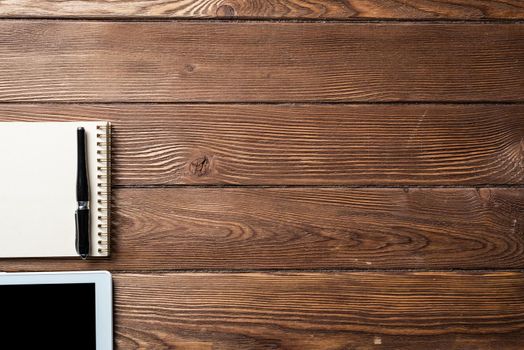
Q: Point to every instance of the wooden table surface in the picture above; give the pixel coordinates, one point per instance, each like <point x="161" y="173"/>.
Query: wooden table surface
<point x="294" y="174"/>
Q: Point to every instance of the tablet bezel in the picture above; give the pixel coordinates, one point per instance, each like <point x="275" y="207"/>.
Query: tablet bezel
<point x="103" y="295"/>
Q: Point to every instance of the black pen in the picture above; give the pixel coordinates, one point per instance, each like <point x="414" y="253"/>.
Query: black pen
<point x="82" y="197"/>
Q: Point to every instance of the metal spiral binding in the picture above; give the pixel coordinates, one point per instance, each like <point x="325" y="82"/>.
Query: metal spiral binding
<point x="103" y="158"/>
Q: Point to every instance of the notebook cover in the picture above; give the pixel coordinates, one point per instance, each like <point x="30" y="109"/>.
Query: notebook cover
<point x="38" y="188"/>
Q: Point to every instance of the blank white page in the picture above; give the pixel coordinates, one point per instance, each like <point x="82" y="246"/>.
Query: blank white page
<point x="38" y="188"/>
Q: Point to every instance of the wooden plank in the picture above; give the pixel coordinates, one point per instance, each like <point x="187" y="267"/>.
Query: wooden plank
<point x="305" y="144"/>
<point x="170" y="61"/>
<point x="304" y="228"/>
<point x="270" y="9"/>
<point x="437" y="310"/>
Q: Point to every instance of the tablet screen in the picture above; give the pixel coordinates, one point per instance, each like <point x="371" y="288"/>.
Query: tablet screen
<point x="49" y="316"/>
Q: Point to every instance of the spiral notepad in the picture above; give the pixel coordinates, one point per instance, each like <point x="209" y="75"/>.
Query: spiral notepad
<point x="37" y="188"/>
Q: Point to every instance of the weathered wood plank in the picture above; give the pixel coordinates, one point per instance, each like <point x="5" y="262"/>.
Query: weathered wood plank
<point x="301" y="228"/>
<point x="305" y="144"/>
<point x="269" y="9"/>
<point x="435" y="310"/>
<point x="258" y="61"/>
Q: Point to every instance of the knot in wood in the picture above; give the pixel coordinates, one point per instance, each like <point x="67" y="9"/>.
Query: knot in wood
<point x="200" y="166"/>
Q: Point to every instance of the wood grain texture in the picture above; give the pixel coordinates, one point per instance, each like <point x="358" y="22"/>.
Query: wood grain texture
<point x="320" y="311"/>
<point x="303" y="228"/>
<point x="305" y="144"/>
<point x="269" y="9"/>
<point x="258" y="61"/>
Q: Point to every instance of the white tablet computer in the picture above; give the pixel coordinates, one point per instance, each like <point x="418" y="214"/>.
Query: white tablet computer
<point x="56" y="310"/>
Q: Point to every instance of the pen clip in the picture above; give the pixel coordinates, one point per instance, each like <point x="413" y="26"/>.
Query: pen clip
<point x="82" y="232"/>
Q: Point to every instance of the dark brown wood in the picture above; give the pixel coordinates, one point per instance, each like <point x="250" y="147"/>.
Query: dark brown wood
<point x="305" y="144"/>
<point x="259" y="61"/>
<point x="262" y="117"/>
<point x="270" y="9"/>
<point x="301" y="228"/>
<point x="437" y="310"/>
